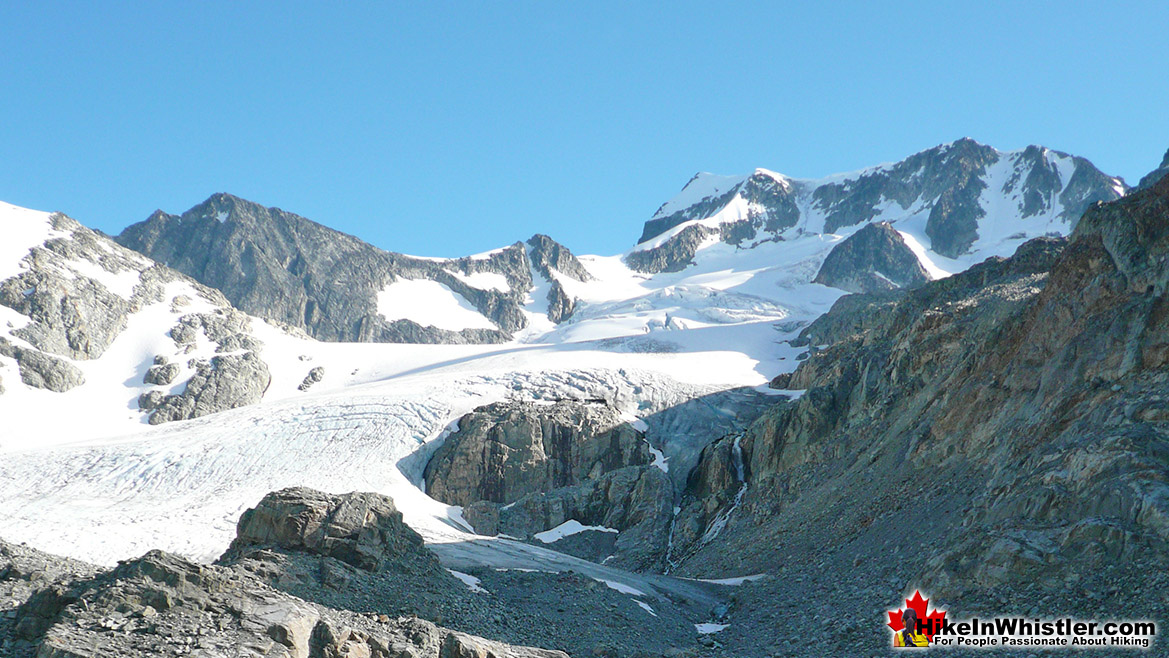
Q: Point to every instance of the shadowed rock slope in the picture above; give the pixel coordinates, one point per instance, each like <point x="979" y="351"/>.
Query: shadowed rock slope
<point x="873" y="259"/>
<point x="522" y="468"/>
<point x="998" y="438"/>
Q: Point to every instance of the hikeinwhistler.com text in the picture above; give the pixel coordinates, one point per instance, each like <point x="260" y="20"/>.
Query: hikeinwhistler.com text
<point x="1006" y="632"/>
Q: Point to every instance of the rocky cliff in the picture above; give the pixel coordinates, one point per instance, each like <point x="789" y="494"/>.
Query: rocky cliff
<point x="996" y="437"/>
<point x="282" y="267"/>
<point x="522" y="469"/>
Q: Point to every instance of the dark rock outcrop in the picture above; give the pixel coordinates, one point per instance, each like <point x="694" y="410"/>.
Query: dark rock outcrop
<point x="873" y="259"/>
<point x="674" y="255"/>
<point x="1153" y="177"/>
<point x="505" y="451"/>
<point x="314" y="376"/>
<point x="636" y="501"/>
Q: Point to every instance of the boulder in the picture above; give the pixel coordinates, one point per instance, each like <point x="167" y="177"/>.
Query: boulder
<point x="364" y="530"/>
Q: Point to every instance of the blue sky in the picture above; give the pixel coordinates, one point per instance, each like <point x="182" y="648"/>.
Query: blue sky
<point x="446" y="128"/>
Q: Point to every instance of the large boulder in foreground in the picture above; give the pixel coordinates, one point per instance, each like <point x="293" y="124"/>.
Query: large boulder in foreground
<point x="163" y="605"/>
<point x="362" y="529"/>
<point x="874" y="259"/>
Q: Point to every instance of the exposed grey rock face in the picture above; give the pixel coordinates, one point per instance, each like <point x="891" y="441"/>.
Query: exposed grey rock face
<point x="164" y="605"/>
<point x="40" y="370"/>
<point x="949" y="181"/>
<point x="283" y="267"/>
<point x="226" y="381"/>
<point x="1156" y="175"/>
<point x="72" y="314"/>
<point x="548" y="256"/>
<point x="236" y="377"/>
<point x="672" y="256"/>
<point x="712" y="491"/>
<point x="161" y="374"/>
<point x="314" y="376"/>
<point x="505" y="451"/>
<point x="873" y="259"/>
<point x="636" y="501"/>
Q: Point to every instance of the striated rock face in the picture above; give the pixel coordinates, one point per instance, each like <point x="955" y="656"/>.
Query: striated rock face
<point x="873" y="259"/>
<point x="164" y="605"/>
<point x="521" y="469"/>
<point x="505" y="451"/>
<point x="635" y="501"/>
<point x="285" y="268"/>
<point x="1017" y="406"/>
<point x="364" y="530"/>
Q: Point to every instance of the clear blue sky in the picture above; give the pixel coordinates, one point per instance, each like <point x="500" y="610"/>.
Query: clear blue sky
<point x="444" y="128"/>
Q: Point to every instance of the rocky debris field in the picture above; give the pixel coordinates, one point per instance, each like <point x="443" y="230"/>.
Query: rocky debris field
<point x="312" y="574"/>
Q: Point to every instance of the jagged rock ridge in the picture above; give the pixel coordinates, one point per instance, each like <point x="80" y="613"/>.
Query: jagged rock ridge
<point x="282" y="267"/>
<point x="959" y="191"/>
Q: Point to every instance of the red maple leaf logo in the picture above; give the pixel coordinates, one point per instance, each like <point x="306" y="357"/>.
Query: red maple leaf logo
<point x="919" y="605"/>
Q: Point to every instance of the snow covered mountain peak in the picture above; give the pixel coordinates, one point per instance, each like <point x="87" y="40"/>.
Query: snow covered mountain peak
<point x="961" y="199"/>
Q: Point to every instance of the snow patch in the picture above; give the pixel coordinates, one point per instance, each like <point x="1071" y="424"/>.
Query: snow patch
<point x="472" y="583"/>
<point x="709" y="628"/>
<point x="567" y="529"/>
<point x="621" y="587"/>
<point x="429" y="304"/>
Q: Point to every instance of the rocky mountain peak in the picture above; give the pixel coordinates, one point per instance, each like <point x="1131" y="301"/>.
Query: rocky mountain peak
<point x="963" y="193"/>
<point x="288" y="269"/>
